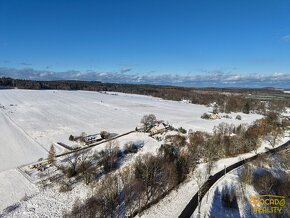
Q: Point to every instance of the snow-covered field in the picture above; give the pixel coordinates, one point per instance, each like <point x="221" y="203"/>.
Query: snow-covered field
<point x="13" y="187"/>
<point x="31" y="120"/>
<point x="16" y="146"/>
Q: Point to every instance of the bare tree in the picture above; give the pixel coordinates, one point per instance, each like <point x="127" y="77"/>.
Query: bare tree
<point x="85" y="166"/>
<point x="209" y="166"/>
<point x="108" y="196"/>
<point x="246" y="174"/>
<point x="149" y="171"/>
<point x="109" y="156"/>
<point x="129" y="189"/>
<point x="74" y="160"/>
<point x="264" y="181"/>
<point x="148" y="121"/>
<point x="83" y="136"/>
<point x="274" y="137"/>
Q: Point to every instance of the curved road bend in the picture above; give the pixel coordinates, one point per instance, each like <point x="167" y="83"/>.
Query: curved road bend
<point x="192" y="205"/>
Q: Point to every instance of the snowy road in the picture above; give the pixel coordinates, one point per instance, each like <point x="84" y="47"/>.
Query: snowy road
<point x="192" y="205"/>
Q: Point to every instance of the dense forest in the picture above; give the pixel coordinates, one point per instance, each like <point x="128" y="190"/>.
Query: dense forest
<point x="228" y="99"/>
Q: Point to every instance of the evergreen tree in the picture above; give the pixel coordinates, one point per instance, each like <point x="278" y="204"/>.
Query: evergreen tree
<point x="51" y="155"/>
<point x="246" y="108"/>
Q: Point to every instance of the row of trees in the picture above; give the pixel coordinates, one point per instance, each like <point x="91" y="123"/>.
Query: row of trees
<point x="229" y="100"/>
<point x="132" y="189"/>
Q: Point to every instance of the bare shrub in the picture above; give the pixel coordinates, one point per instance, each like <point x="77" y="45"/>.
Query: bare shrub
<point x="245" y="175"/>
<point x="109" y="156"/>
<point x="176" y="140"/>
<point x="263" y="181"/>
<point x="130" y="147"/>
<point x="65" y="187"/>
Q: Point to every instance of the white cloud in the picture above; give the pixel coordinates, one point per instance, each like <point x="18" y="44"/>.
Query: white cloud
<point x="286" y="38"/>
<point x="206" y="78"/>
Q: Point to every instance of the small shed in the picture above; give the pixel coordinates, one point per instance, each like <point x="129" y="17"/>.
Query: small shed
<point x="160" y="128"/>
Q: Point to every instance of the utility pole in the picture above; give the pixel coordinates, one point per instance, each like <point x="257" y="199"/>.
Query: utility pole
<point x="225" y="169"/>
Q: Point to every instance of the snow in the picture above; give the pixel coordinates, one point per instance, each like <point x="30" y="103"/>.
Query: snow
<point x="174" y="203"/>
<point x="39" y="118"/>
<point x="211" y="203"/>
<point x="17" y="147"/>
<point x="13" y="187"/>
<point x="49" y="202"/>
<point x="31" y="120"/>
<point x="52" y="203"/>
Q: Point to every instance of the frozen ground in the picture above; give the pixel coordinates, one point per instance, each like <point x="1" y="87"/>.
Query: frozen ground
<point x="173" y="204"/>
<point x="50" y="202"/>
<point x="31" y="120"/>
<point x="16" y="146"/>
<point x="13" y="187"/>
<point x="212" y="204"/>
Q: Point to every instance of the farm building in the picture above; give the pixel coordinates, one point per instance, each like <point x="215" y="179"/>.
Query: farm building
<point x="212" y="116"/>
<point x="159" y="128"/>
<point x="92" y="138"/>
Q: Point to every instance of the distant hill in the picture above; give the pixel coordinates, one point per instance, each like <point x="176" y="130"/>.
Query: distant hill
<point x="232" y="99"/>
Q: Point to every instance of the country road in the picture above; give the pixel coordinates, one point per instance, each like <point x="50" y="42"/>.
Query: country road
<point x="192" y="205"/>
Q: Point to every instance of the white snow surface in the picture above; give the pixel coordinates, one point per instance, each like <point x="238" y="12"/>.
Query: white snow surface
<point x="13" y="187"/>
<point x="30" y="120"/>
<point x="174" y="203"/>
<point x="16" y="147"/>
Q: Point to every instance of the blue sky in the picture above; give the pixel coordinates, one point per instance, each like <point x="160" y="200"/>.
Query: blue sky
<point x="241" y="38"/>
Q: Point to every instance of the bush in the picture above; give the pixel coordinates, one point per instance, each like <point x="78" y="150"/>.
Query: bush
<point x="11" y="208"/>
<point x="205" y="116"/>
<point x="105" y="134"/>
<point x="130" y="147"/>
<point x="238" y="117"/>
<point x="71" y="138"/>
<point x="263" y="181"/>
<point x="227" y="116"/>
<point x="181" y="130"/>
<point x="110" y="156"/>
<point x="282" y="186"/>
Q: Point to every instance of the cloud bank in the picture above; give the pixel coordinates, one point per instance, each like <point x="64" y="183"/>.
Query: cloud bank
<point x="205" y="79"/>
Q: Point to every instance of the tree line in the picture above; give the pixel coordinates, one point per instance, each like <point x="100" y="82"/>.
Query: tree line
<point x="228" y="99"/>
<point x="134" y="188"/>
